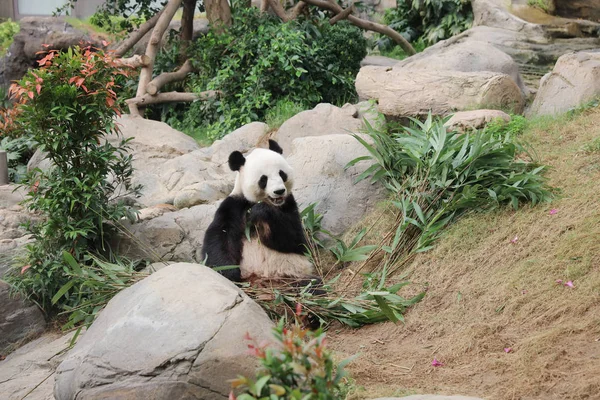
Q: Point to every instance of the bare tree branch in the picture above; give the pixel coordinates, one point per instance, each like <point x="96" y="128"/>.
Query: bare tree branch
<point x="279" y="10"/>
<point x="169" y="97"/>
<point x="297" y="10"/>
<point x="364" y="24"/>
<point x="135" y="61"/>
<point x="343" y="15"/>
<point x="187" y="27"/>
<point x="136" y="35"/>
<point x="152" y="49"/>
<point x="154" y="86"/>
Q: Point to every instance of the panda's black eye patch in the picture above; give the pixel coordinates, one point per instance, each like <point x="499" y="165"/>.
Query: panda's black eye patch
<point x="283" y="175"/>
<point x="262" y="182"/>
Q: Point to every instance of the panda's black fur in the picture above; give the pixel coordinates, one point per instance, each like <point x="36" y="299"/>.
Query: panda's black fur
<point x="272" y="222"/>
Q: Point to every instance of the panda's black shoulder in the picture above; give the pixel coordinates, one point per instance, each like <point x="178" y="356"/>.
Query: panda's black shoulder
<point x="233" y="208"/>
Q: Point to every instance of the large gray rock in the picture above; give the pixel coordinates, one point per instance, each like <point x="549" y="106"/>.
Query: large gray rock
<point x="13" y="236"/>
<point x="324" y="119"/>
<point x="495" y="13"/>
<point x="574" y="81"/>
<point x="11" y="195"/>
<point x="34" y="32"/>
<point x="470" y="56"/>
<point x="178" y="334"/>
<point x="464" y="121"/>
<point x="409" y="92"/>
<point x="175" y="236"/>
<point x="19" y="319"/>
<point x="319" y="176"/>
<point x="587" y="9"/>
<point x="28" y="373"/>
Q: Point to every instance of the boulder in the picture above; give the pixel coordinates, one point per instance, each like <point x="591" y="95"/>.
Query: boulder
<point x="469" y="56"/>
<point x="324" y="119"/>
<point x="495" y="13"/>
<point x="243" y="139"/>
<point x="468" y="120"/>
<point x="11" y="195"/>
<point x="13" y="236"/>
<point x="574" y="81"/>
<point x="178" y="334"/>
<point x="28" y="372"/>
<point x="586" y="9"/>
<point x="34" y="32"/>
<point x="174" y="236"/>
<point x="379" y="61"/>
<point x="408" y="92"/>
<point x="319" y="176"/>
<point x="19" y="319"/>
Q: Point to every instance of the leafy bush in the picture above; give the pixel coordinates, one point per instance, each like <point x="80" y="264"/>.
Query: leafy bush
<point x="283" y="110"/>
<point x="8" y="30"/>
<point x="301" y="369"/>
<point x="435" y="176"/>
<point x="259" y="61"/>
<point x="427" y="21"/>
<point x="68" y="108"/>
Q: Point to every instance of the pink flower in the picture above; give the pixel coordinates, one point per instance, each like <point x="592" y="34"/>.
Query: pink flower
<point x="559" y="281"/>
<point x="507" y="349"/>
<point x="514" y="240"/>
<point x="553" y="211"/>
<point x="569" y="284"/>
<point x="436" y="363"/>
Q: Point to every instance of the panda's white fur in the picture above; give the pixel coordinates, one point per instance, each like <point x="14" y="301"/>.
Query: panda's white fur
<point x="258" y="163"/>
<point x="261" y="261"/>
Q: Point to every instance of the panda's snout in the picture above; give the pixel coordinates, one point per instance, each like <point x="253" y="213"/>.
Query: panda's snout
<point x="279" y="192"/>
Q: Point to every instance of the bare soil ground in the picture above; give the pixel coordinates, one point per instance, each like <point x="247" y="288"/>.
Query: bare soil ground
<point x="487" y="294"/>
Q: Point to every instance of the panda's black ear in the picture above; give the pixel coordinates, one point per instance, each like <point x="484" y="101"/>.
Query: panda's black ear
<point x="236" y="161"/>
<point x="273" y="145"/>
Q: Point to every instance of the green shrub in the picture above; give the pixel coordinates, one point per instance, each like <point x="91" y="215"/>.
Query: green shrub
<point x="435" y="176"/>
<point x="301" y="368"/>
<point x="428" y="21"/>
<point x="259" y="61"/>
<point x="283" y="110"/>
<point x="68" y="108"/>
<point x="8" y="30"/>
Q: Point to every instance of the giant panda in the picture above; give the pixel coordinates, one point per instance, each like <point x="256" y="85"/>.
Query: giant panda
<point x="258" y="226"/>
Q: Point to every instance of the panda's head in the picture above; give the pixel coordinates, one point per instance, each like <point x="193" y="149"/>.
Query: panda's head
<point x="264" y="175"/>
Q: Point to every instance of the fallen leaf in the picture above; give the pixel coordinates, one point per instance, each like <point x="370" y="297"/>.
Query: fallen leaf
<point x="436" y="363"/>
<point x="508" y="349"/>
<point x="553" y="211"/>
<point x="25" y="268"/>
<point x="559" y="281"/>
<point x="569" y="284"/>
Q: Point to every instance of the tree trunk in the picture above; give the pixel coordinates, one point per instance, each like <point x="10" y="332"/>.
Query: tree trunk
<point x="218" y="13"/>
<point x="187" y="27"/>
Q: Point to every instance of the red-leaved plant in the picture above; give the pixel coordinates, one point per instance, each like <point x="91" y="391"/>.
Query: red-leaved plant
<point x="68" y="107"/>
<point x="300" y="368"/>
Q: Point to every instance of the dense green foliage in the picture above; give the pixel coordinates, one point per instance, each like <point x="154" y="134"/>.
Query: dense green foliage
<point x="8" y="30"/>
<point x="260" y="61"/>
<point x="300" y="368"/>
<point x="435" y="176"/>
<point x="425" y="22"/>
<point x="68" y="108"/>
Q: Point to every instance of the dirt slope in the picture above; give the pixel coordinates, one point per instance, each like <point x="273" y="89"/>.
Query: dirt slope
<point x="487" y="294"/>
